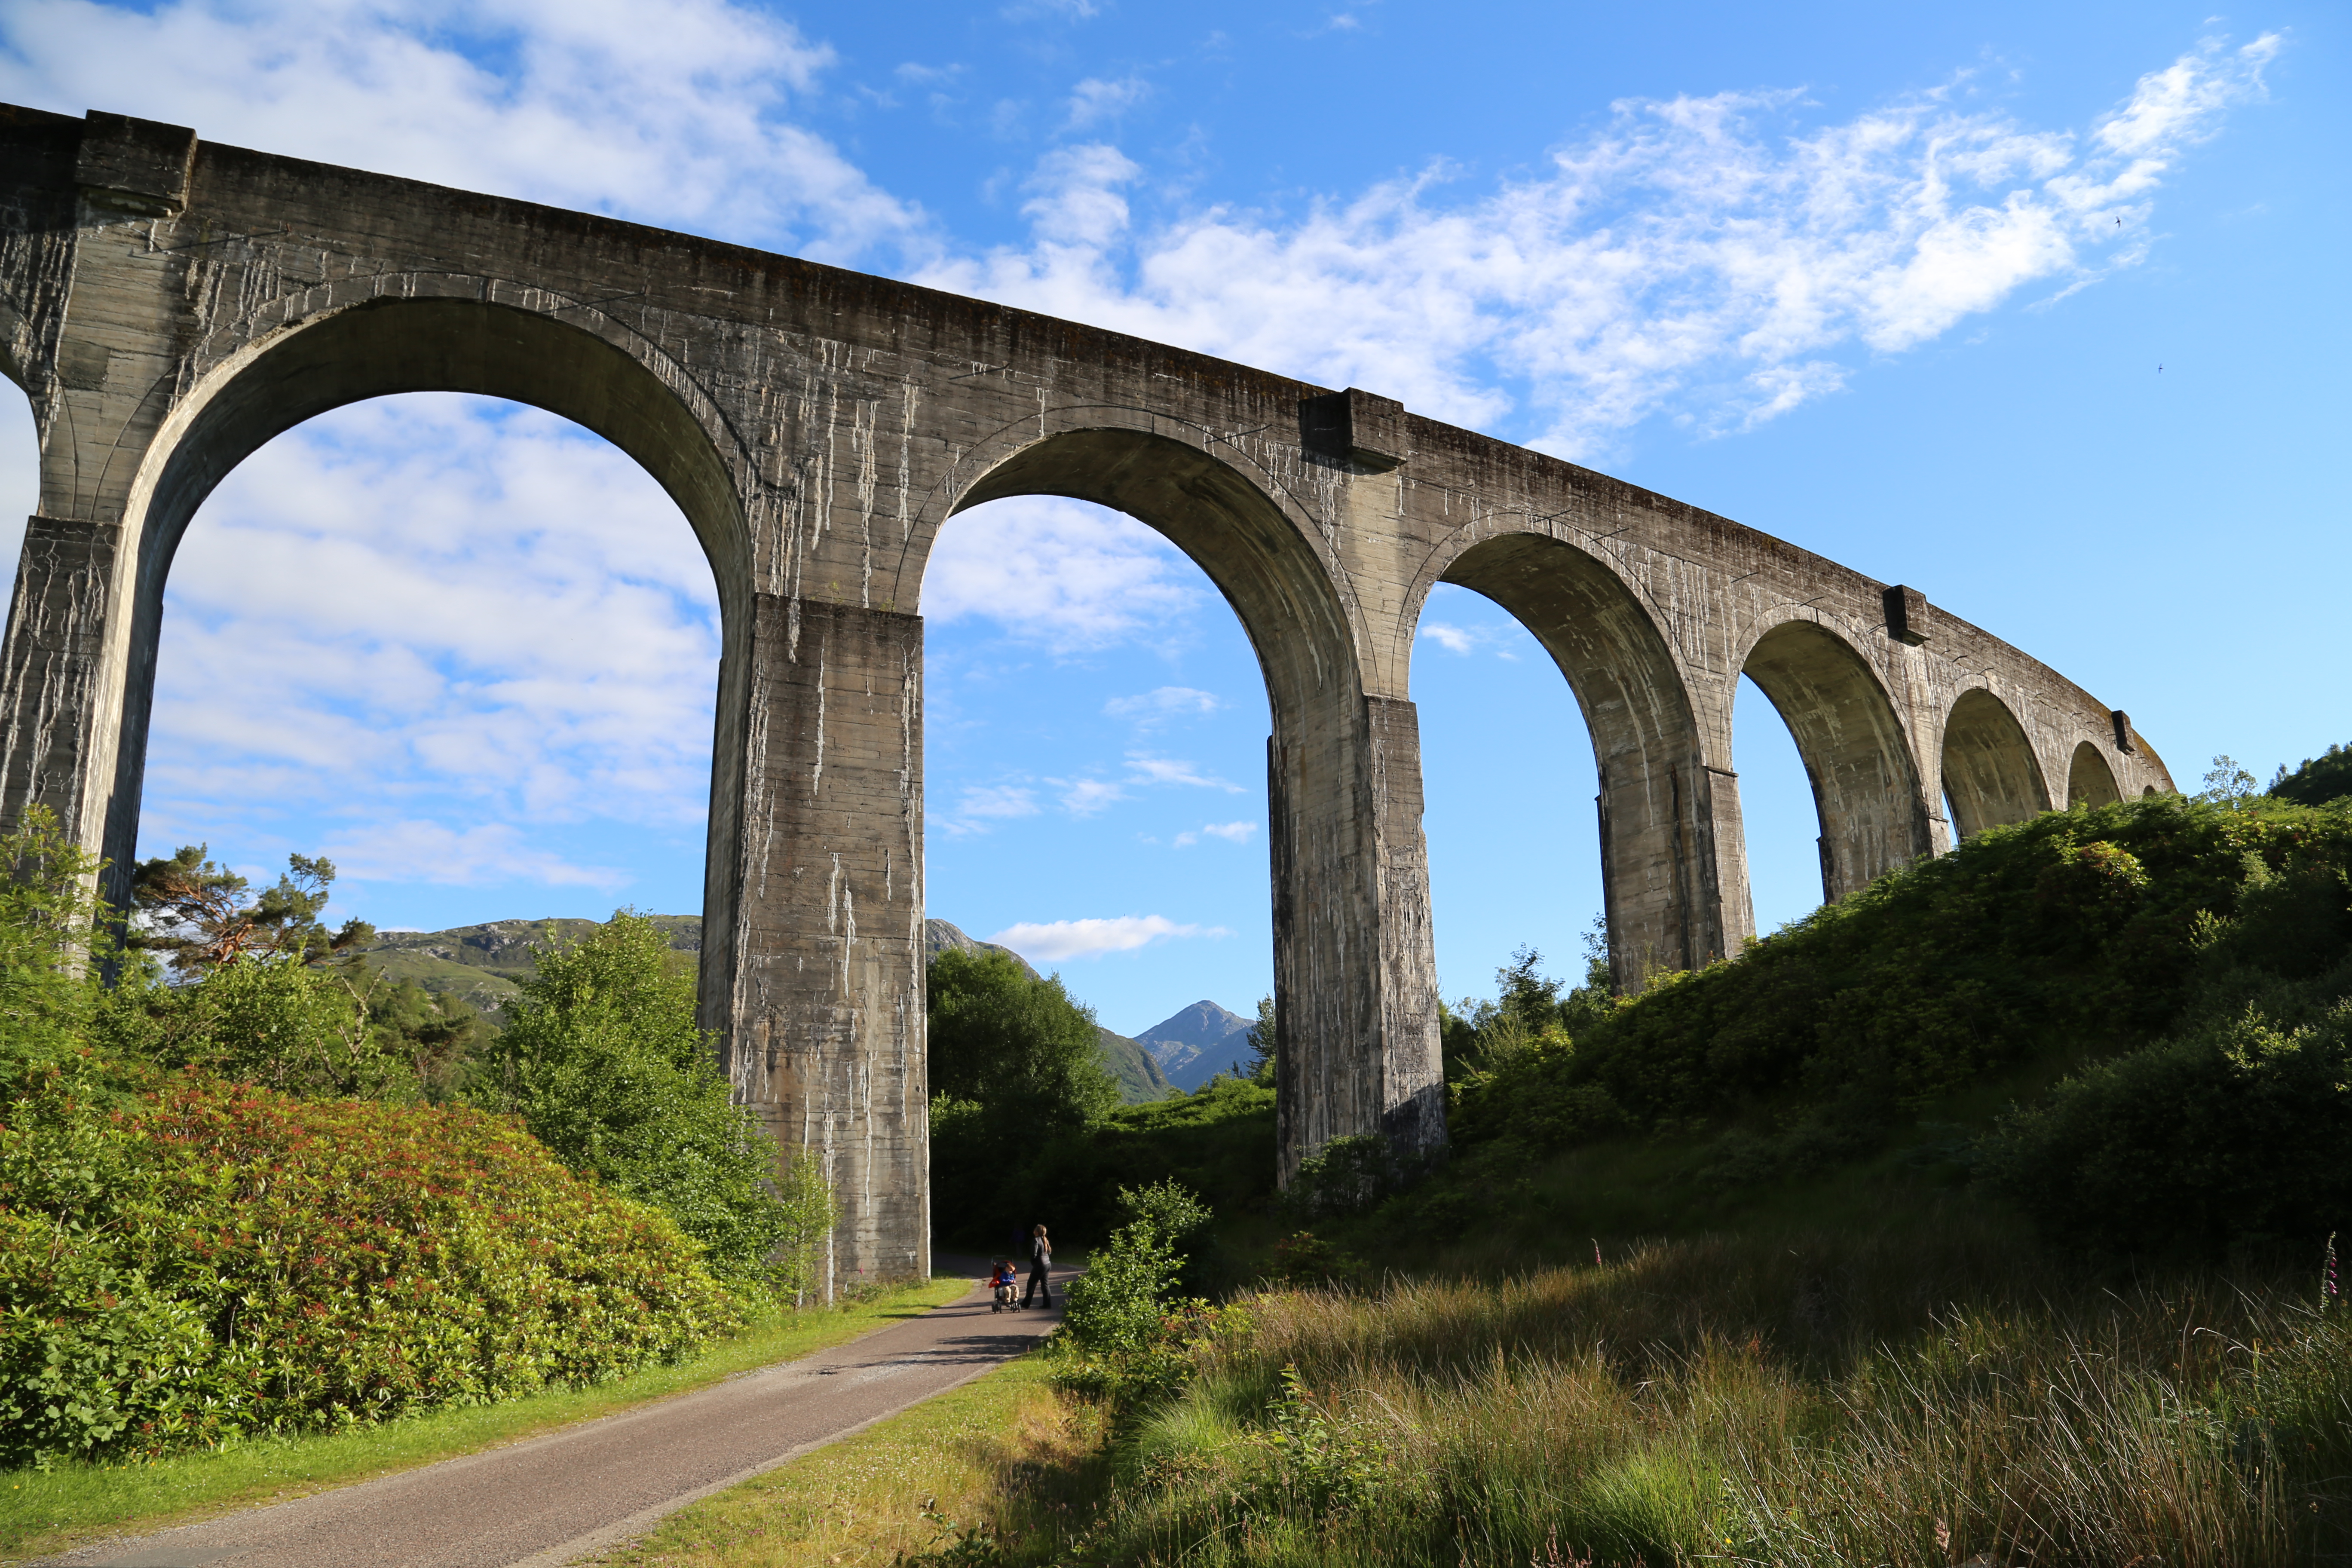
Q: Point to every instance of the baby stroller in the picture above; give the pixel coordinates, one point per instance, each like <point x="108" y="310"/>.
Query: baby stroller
<point x="1007" y="1290"/>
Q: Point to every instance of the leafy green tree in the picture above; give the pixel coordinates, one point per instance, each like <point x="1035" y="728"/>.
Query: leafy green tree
<point x="2228" y="783"/>
<point x="197" y="912"/>
<point x="261" y="993"/>
<point x="436" y="1033"/>
<point x="52" y="940"/>
<point x="2319" y="780"/>
<point x="1265" y="1041"/>
<point x="274" y="1022"/>
<point x="1015" y="1046"/>
<point x="1016" y="1070"/>
<point x="603" y="1061"/>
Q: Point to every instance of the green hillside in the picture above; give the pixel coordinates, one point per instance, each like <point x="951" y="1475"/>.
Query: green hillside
<point x="1139" y="1077"/>
<point x="481" y="965"/>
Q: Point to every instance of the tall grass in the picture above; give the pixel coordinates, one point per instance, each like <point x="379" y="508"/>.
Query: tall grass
<point x="1923" y="1399"/>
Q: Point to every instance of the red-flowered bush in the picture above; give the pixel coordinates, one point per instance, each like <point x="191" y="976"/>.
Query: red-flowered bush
<point x="207" y="1261"/>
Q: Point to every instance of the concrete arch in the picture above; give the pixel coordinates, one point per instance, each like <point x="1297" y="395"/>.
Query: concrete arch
<point x="1343" y="975"/>
<point x="2089" y="780"/>
<point x="1657" y="802"/>
<point x="1989" y="770"/>
<point x="1225" y="519"/>
<point x="1866" y="787"/>
<point x="384" y="347"/>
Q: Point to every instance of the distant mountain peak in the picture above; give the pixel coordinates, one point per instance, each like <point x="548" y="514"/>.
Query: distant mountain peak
<point x="1194" y="1044"/>
<point x="940" y="936"/>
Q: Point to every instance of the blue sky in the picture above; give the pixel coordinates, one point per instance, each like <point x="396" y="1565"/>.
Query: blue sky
<point x="1890" y="281"/>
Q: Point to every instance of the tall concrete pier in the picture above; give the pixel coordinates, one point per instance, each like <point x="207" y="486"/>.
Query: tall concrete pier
<point x="169" y="305"/>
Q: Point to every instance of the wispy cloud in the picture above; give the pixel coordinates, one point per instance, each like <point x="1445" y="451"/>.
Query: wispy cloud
<point x="1055" y="939"/>
<point x="1706" y="257"/>
<point x="407" y="606"/>
<point x="1231" y="831"/>
<point x="434" y="852"/>
<point x="1095" y="100"/>
<point x="999" y="800"/>
<point x="675" y="111"/>
<point x="1144" y="768"/>
<point x="1060" y="573"/>
<point x="978" y="807"/>
<point x="1151" y="708"/>
<point x="1088" y="798"/>
<point x="1462" y="641"/>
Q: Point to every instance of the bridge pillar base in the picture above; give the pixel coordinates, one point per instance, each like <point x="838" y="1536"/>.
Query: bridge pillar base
<point x="1355" y="964"/>
<point x="812" y="966"/>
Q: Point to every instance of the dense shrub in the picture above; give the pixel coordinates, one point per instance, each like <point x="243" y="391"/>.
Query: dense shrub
<point x="213" y="1260"/>
<point x="2319" y="780"/>
<point x="1217" y="1142"/>
<point x="2081" y="930"/>
<point x="2234" y="1133"/>
<point x="274" y="1022"/>
<point x="1129" y="1335"/>
<point x="603" y="1061"/>
<point x="52" y="944"/>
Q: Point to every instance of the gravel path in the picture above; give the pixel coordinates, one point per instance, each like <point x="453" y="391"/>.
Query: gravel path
<point x="545" y="1503"/>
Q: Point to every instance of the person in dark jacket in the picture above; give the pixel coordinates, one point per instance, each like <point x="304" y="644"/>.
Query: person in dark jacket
<point x="1041" y="1258"/>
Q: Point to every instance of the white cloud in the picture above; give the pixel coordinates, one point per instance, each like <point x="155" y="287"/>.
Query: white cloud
<point x="980" y="808"/>
<point x="1029" y="10"/>
<point x="2183" y="102"/>
<point x="998" y="800"/>
<point x="1093" y="938"/>
<point x="673" y="111"/>
<point x="434" y="852"/>
<point x="1505" y="637"/>
<point x="1062" y="574"/>
<point x="1087" y="797"/>
<point x="1094" y="100"/>
<point x="1700" y="256"/>
<point x="1152" y="708"/>
<point x="1451" y="638"/>
<point x="425" y="604"/>
<point x="1144" y="768"/>
<point x="1231" y="831"/>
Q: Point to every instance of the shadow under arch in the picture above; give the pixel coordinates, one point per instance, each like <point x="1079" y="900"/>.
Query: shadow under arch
<point x="2089" y="780"/>
<point x="384" y="348"/>
<point x="1329" y="860"/>
<point x="1865" y="788"/>
<point x="1655" y="800"/>
<point x="1989" y="771"/>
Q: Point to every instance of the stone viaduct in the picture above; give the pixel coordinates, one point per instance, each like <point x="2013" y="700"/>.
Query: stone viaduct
<point x="168" y="306"/>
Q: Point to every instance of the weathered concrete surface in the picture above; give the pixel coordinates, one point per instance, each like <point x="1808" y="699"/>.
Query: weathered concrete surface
<point x="554" y="1500"/>
<point x="169" y="305"/>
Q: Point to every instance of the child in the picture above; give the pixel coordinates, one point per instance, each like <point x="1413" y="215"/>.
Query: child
<point x="1003" y="1282"/>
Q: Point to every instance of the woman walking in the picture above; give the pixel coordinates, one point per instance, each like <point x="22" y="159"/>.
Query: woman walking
<point x="1041" y="1258"/>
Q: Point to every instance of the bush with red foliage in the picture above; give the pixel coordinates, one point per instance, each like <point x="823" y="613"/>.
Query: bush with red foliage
<point x="205" y="1260"/>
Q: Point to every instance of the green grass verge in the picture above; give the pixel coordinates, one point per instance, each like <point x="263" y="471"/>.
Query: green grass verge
<point x="1003" y="1450"/>
<point x="41" y="1513"/>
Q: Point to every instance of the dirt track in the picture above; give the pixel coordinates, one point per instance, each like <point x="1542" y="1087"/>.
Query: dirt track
<point x="545" y="1503"/>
